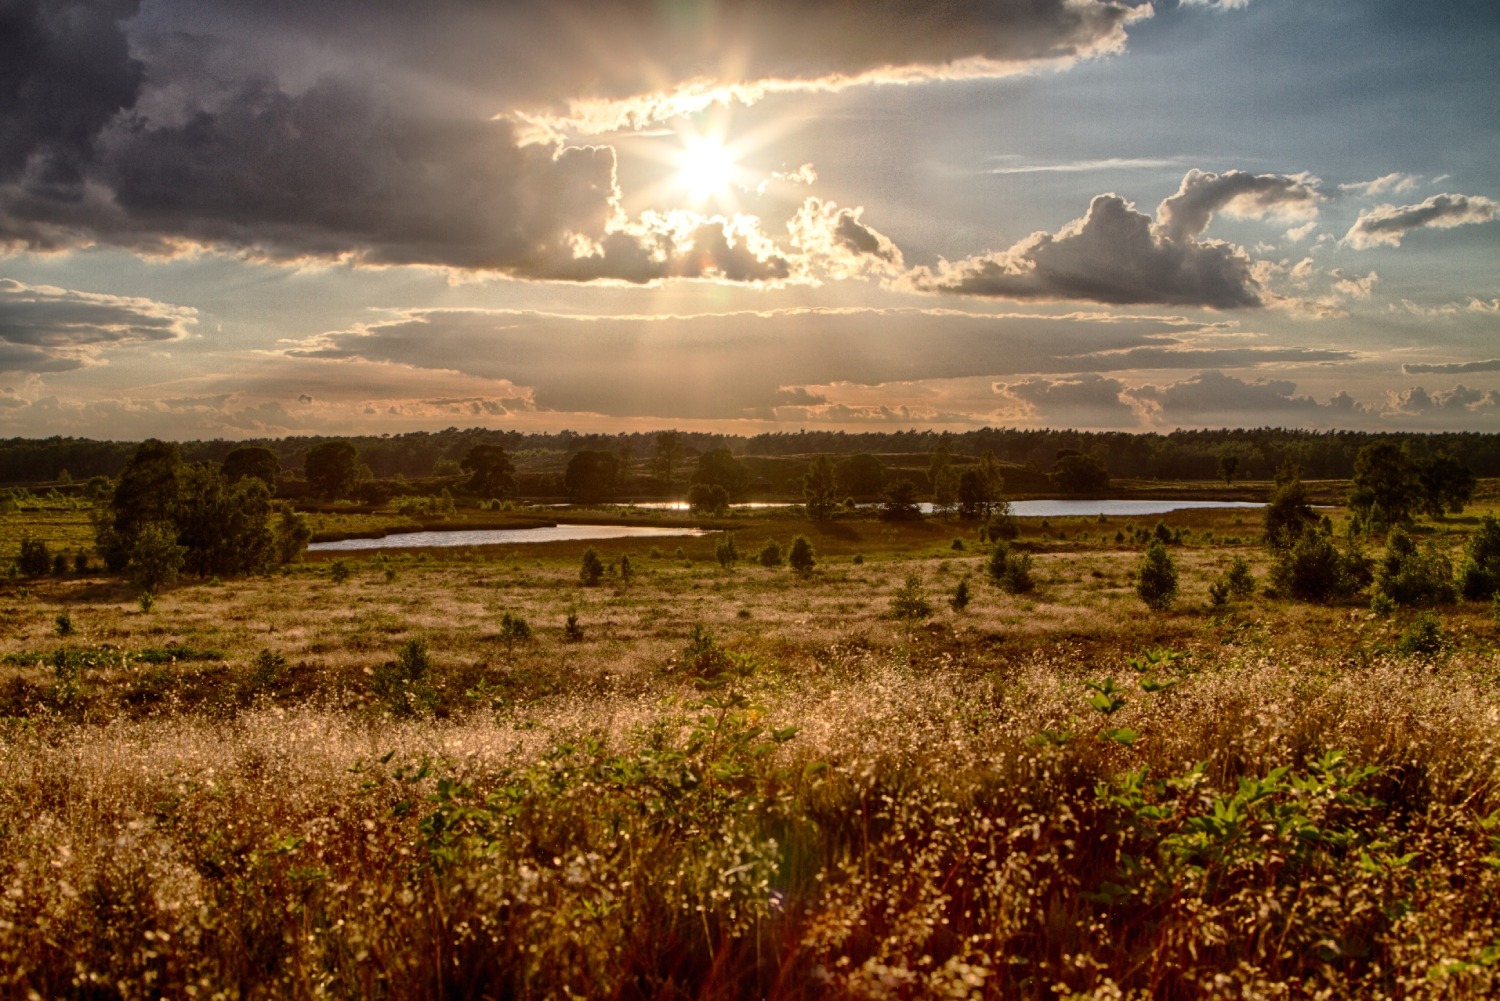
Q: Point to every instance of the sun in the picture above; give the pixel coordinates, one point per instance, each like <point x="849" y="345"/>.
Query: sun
<point x="705" y="169"/>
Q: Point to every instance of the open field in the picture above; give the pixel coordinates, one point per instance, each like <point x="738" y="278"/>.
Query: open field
<point x="360" y="777"/>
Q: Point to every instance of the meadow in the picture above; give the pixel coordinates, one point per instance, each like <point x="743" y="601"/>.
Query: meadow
<point x="465" y="773"/>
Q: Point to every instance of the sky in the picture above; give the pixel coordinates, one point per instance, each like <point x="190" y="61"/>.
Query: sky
<point x="249" y="218"/>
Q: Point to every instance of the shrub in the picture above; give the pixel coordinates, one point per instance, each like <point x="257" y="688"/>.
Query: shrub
<point x="1424" y="637"/>
<point x="339" y="571"/>
<point x="591" y="569"/>
<point x="1480" y="575"/>
<point x="726" y="552"/>
<point x="1011" y="572"/>
<point x="1415" y="577"/>
<point x="1156" y="580"/>
<point x="1239" y="578"/>
<point x="81" y="561"/>
<point x="572" y="631"/>
<point x="908" y="603"/>
<point x="59" y="565"/>
<point x="155" y="556"/>
<point x="266" y="671"/>
<point x="403" y="684"/>
<point x="34" y="560"/>
<point x="960" y="599"/>
<point x="513" y="630"/>
<point x="1313" y="569"/>
<point x="802" y="558"/>
<point x="64" y="624"/>
<point x="627" y="569"/>
<point x="770" y="554"/>
<point x="147" y="601"/>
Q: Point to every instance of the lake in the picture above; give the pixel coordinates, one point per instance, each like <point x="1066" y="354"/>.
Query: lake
<point x="503" y="536"/>
<point x="584" y="533"/>
<point x="1024" y="508"/>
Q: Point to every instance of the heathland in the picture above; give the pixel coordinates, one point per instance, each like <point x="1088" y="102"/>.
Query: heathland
<point x="896" y="773"/>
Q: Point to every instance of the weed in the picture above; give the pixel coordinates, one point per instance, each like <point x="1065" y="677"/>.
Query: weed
<point x="147" y="601"/>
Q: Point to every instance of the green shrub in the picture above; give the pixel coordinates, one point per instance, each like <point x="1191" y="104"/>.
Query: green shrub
<point x="1313" y="569"/>
<point x="1011" y="572"/>
<point x="266" y="672"/>
<point x="908" y="602"/>
<point x="802" y="558"/>
<point x="1424" y="637"/>
<point x="1239" y="578"/>
<point x="726" y="552"/>
<point x="627" y="569"/>
<point x="513" y="630"/>
<point x="770" y="554"/>
<point x="147" y="601"/>
<point x="34" y="560"/>
<point x="591" y="568"/>
<point x="1480" y="575"/>
<point x="404" y="685"/>
<point x="64" y="623"/>
<point x="961" y="598"/>
<point x="572" y="631"/>
<point x="1156" y="579"/>
<point x="1414" y="577"/>
<point x="339" y="571"/>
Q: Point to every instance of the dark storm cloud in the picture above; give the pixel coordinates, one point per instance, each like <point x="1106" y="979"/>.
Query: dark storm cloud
<point x="46" y="329"/>
<point x="545" y="51"/>
<point x="1387" y="224"/>
<point x="382" y="132"/>
<point x="1112" y="255"/>
<point x="65" y="73"/>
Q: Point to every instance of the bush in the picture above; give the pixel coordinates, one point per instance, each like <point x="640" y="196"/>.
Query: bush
<point x="627" y="569"/>
<point x="1313" y="569"/>
<point x="1239" y="578"/>
<point x="960" y="599"/>
<point x="339" y="571"/>
<point x="64" y="624"/>
<point x="1011" y="572"/>
<point x="403" y="684"/>
<point x="908" y="603"/>
<point x="802" y="558"/>
<point x="1480" y="576"/>
<point x="591" y="569"/>
<point x="726" y="552"/>
<point x="1424" y="637"/>
<point x="1414" y="577"/>
<point x="513" y="630"/>
<point x="770" y="554"/>
<point x="572" y="631"/>
<point x="1156" y="580"/>
<point x="155" y="557"/>
<point x="34" y="560"/>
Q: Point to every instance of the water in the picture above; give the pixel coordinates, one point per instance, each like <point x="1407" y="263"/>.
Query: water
<point x="503" y="536"/>
<point x="1024" y="508"/>
<point x="1120" y="508"/>
<point x="581" y="533"/>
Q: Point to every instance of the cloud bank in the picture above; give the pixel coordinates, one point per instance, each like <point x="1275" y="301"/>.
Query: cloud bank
<point x="47" y="329"/>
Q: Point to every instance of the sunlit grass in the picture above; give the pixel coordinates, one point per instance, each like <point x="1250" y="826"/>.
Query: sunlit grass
<point x="740" y="782"/>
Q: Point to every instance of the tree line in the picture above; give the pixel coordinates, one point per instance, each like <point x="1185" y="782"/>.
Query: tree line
<point x="539" y="459"/>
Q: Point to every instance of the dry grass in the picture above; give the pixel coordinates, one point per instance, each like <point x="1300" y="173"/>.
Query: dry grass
<point x="627" y="815"/>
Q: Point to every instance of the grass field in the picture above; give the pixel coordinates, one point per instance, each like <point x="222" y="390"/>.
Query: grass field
<point x="464" y="774"/>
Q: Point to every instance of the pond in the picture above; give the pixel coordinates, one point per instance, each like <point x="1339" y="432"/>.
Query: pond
<point x="502" y="536"/>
